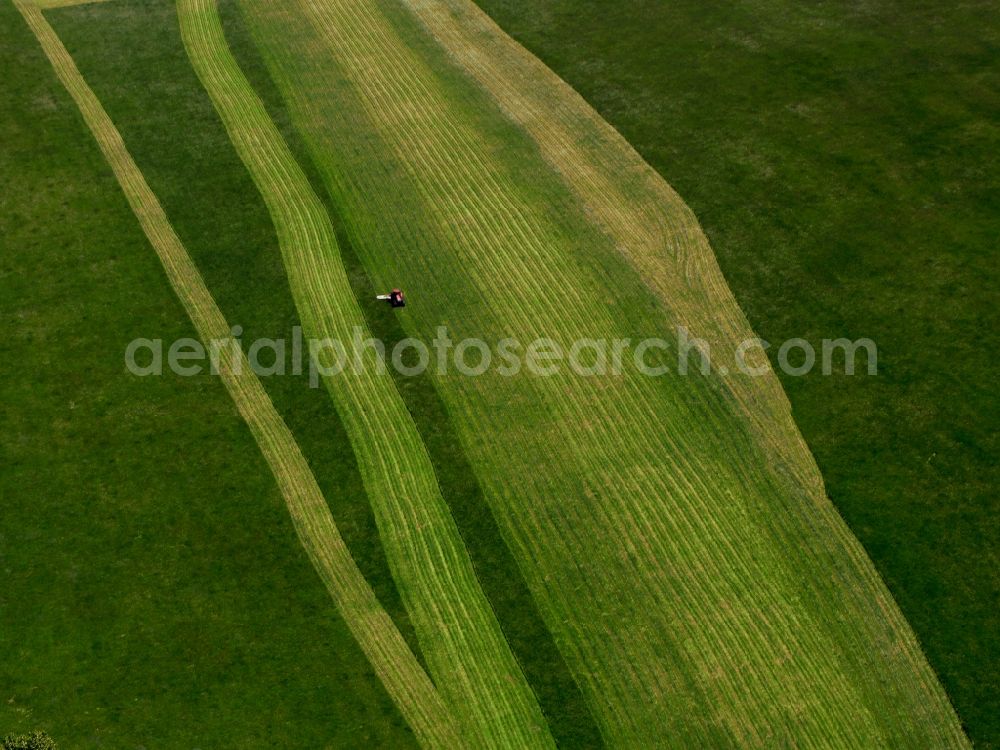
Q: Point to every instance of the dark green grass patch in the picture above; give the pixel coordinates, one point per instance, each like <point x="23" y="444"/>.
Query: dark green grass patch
<point x="843" y="158"/>
<point x="154" y="592"/>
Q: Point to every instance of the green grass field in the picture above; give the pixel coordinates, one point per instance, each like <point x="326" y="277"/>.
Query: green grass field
<point x="510" y="561"/>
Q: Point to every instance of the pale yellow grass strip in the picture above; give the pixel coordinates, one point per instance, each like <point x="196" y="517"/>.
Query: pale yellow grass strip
<point x="50" y="4"/>
<point x="466" y="651"/>
<point x="395" y="664"/>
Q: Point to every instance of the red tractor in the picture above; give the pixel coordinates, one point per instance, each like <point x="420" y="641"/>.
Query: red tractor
<point x="394" y="298"/>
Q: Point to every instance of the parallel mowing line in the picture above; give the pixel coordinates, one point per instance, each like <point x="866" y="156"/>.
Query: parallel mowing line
<point x="466" y="650"/>
<point x="394" y="663"/>
<point x="680" y="611"/>
<point x="656" y="231"/>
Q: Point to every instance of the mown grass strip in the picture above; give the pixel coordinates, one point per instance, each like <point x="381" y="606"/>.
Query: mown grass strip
<point x="562" y="703"/>
<point x="51" y="4"/>
<point x="792" y="169"/>
<point x="132" y="56"/>
<point x="648" y="222"/>
<point x="563" y="465"/>
<point x="648" y="530"/>
<point x="458" y="631"/>
<point x="392" y="660"/>
<point x="659" y="235"/>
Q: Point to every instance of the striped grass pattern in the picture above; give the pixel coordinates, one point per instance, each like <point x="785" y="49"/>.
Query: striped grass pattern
<point x="644" y="217"/>
<point x="397" y="667"/>
<point x="656" y="232"/>
<point x="458" y="632"/>
<point x="672" y="531"/>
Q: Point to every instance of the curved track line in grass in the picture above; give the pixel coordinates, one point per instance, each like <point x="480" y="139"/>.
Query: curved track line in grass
<point x="392" y="660"/>
<point x="672" y="566"/>
<point x="459" y="635"/>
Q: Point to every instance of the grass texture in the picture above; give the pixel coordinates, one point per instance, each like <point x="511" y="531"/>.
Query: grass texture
<point x="466" y="650"/>
<point x="700" y="588"/>
<point x="392" y="659"/>
<point x="844" y="159"/>
<point x="673" y="533"/>
<point x="154" y="589"/>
